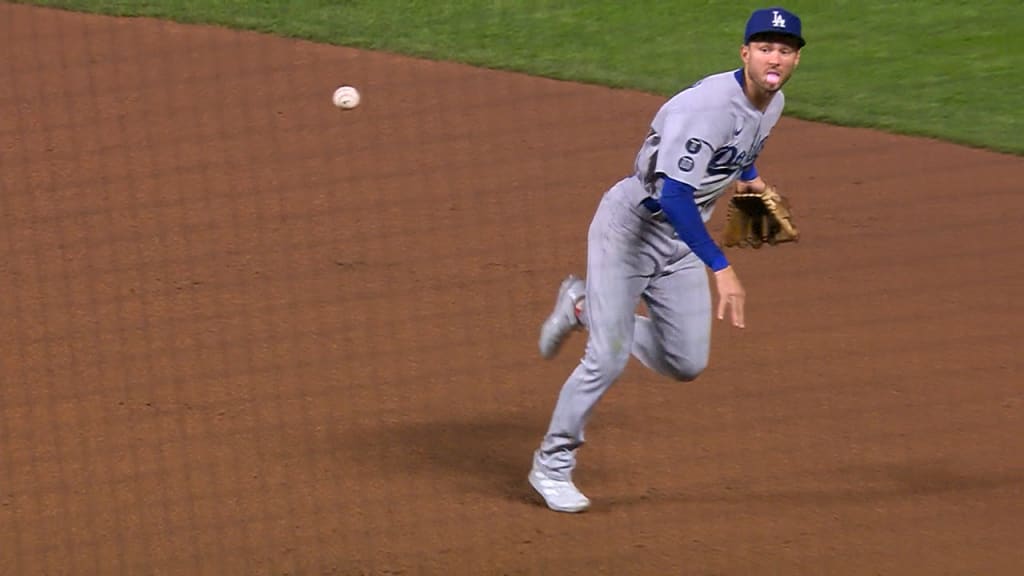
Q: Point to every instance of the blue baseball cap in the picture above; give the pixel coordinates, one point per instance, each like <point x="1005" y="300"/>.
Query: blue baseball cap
<point x="774" y="21"/>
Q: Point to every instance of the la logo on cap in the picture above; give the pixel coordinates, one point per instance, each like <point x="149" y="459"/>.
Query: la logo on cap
<point x="775" y="20"/>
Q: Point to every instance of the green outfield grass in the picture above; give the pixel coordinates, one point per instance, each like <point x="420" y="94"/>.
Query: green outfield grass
<point x="944" y="68"/>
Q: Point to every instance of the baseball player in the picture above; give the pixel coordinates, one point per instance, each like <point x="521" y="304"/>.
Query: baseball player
<point x="648" y="239"/>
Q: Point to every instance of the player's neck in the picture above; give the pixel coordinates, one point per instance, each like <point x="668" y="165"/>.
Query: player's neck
<point x="759" y="99"/>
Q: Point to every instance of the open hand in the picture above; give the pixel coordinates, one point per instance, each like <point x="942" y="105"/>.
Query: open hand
<point x="731" y="296"/>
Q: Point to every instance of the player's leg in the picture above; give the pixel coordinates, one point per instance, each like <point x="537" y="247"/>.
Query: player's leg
<point x="676" y="340"/>
<point x="613" y="290"/>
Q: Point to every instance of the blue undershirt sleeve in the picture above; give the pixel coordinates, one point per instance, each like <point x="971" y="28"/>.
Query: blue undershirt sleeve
<point x="680" y="208"/>
<point x="749" y="173"/>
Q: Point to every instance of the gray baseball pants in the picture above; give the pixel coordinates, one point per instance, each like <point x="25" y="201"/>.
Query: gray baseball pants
<point x="630" y="256"/>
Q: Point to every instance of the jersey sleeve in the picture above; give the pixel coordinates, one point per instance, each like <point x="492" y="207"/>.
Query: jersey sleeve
<point x="689" y="138"/>
<point x="681" y="209"/>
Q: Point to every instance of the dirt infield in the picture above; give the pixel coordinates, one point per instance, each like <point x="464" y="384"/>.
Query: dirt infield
<point x="247" y="333"/>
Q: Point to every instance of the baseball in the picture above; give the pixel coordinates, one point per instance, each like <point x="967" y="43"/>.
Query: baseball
<point x="346" y="97"/>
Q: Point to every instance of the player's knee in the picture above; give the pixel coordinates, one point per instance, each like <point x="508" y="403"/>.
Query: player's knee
<point x="607" y="366"/>
<point x="613" y="366"/>
<point x="684" y="369"/>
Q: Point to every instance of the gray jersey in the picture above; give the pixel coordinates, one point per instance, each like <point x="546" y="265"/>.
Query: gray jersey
<point x="705" y="136"/>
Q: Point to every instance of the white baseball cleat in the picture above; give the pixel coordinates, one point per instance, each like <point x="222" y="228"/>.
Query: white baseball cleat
<point x="562" y="319"/>
<point x="559" y="495"/>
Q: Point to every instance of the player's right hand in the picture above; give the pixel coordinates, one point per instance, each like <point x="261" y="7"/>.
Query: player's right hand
<point x="731" y="296"/>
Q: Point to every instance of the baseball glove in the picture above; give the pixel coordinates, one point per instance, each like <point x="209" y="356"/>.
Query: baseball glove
<point x="754" y="218"/>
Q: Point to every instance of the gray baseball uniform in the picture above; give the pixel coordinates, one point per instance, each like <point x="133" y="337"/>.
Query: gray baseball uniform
<point x="704" y="136"/>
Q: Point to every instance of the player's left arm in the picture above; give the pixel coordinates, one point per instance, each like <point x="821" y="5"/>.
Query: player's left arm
<point x="750" y="181"/>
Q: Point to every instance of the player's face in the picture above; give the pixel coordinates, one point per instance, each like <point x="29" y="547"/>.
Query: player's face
<point x="770" y="63"/>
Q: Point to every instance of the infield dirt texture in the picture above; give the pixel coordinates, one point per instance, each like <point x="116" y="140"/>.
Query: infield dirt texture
<point x="247" y="333"/>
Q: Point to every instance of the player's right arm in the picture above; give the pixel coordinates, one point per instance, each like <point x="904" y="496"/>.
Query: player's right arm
<point x="680" y="207"/>
<point x="688" y="143"/>
<point x="679" y="203"/>
<point x="690" y="134"/>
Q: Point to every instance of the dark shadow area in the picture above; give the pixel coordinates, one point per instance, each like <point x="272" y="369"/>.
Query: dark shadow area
<point x="487" y="456"/>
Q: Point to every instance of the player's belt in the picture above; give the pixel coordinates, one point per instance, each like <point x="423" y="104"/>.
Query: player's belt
<point x="654" y="207"/>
